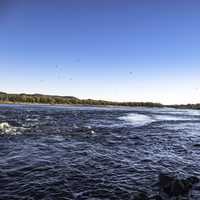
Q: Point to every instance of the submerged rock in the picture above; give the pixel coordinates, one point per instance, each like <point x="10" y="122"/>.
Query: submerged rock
<point x="193" y="180"/>
<point x="175" y="186"/>
<point x="141" y="196"/>
<point x="171" y="187"/>
<point x="156" y="197"/>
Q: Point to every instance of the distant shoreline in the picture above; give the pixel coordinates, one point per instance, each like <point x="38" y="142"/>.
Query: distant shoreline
<point x="68" y="105"/>
<point x="100" y="106"/>
<point x="54" y="100"/>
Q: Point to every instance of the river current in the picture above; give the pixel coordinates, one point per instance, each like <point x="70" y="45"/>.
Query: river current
<point x="79" y="153"/>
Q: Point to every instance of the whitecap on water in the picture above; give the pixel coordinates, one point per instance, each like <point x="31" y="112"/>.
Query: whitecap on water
<point x="6" y="128"/>
<point x="137" y="120"/>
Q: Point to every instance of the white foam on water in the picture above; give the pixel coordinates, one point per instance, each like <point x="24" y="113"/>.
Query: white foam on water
<point x="137" y="120"/>
<point x="6" y="128"/>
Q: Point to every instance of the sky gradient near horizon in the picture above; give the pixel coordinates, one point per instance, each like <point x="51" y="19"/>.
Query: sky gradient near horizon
<point x="121" y="50"/>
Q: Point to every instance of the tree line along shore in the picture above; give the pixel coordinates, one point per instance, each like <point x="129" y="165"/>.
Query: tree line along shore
<point x="54" y="99"/>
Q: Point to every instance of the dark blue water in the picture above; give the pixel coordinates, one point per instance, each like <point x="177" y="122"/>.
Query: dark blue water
<point x="93" y="153"/>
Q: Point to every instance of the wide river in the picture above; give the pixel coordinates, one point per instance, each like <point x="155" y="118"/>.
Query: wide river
<point x="79" y="153"/>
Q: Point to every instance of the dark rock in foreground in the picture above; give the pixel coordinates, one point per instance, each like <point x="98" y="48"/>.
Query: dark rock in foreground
<point x="175" y="186"/>
<point x="141" y="196"/>
<point x="171" y="187"/>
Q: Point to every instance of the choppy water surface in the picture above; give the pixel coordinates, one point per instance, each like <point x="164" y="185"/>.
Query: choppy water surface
<point x="93" y="153"/>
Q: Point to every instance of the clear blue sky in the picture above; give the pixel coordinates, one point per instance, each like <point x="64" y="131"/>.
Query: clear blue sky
<point x="123" y="50"/>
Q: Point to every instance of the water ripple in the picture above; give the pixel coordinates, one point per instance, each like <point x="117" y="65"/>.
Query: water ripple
<point x="56" y="154"/>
